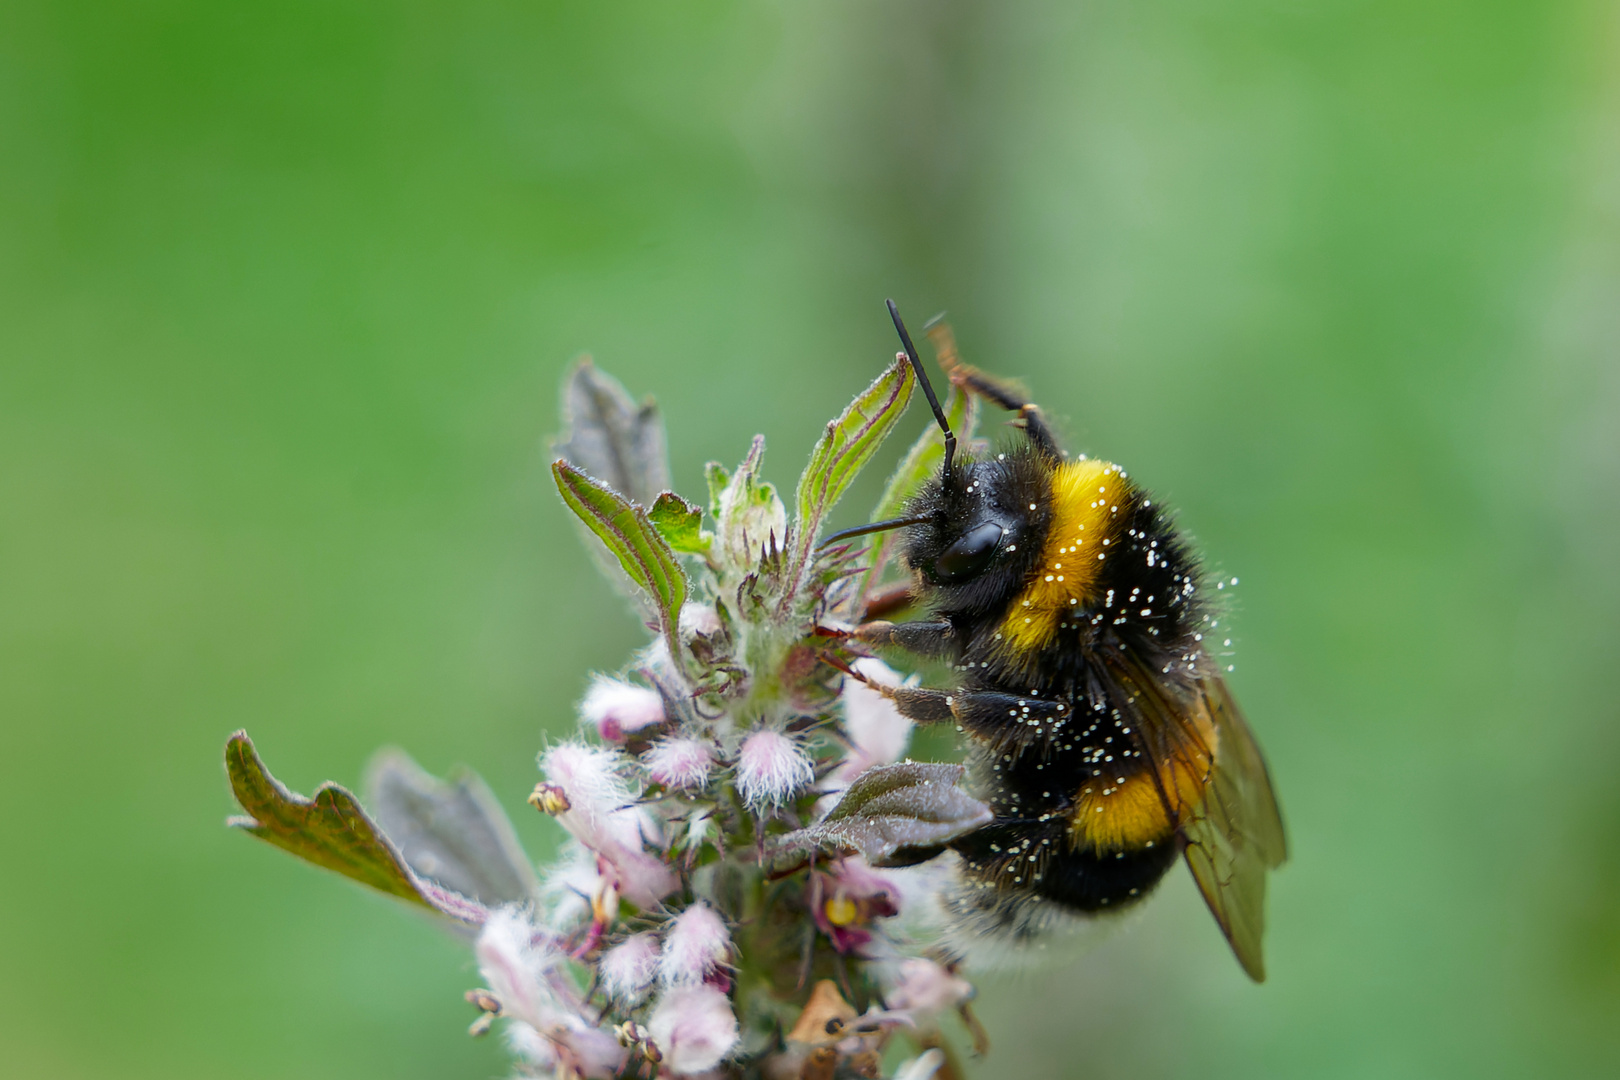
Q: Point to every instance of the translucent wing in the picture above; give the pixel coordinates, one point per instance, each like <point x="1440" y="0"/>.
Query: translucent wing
<point x="1214" y="782"/>
<point x="1236" y="834"/>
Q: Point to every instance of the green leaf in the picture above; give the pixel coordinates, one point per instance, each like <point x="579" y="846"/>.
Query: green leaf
<point x="718" y="479"/>
<point x="849" y="443"/>
<point x="452" y="831"/>
<point x="332" y="831"/>
<point x="680" y="523"/>
<point x="892" y="808"/>
<point x="642" y="552"/>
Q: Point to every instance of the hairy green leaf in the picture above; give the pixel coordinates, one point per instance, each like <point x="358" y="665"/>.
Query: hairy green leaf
<point x="332" y="831"/>
<point x="680" y="523"/>
<point x="849" y="443"/>
<point x="642" y="552"/>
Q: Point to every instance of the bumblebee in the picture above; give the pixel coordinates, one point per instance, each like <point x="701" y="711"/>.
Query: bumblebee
<point x="1101" y="731"/>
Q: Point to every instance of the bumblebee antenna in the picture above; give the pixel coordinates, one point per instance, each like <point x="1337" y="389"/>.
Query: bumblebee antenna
<point x="876" y="526"/>
<point x="928" y="387"/>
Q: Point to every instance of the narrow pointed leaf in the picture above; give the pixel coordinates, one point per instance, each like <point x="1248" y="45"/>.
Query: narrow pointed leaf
<point x="332" y="831"/>
<point x="849" y="443"/>
<point x="643" y="554"/>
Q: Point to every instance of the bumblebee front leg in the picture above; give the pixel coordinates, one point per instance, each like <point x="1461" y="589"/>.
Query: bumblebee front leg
<point x="932" y="639"/>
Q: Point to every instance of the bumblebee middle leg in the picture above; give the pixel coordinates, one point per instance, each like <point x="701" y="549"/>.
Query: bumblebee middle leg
<point x="1004" y="395"/>
<point x="1005" y="721"/>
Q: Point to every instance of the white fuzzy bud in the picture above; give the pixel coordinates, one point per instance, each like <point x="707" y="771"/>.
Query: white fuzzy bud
<point x="694" y="946"/>
<point x="603" y="816"/>
<point x="693" y="1027"/>
<point x="628" y="969"/>
<point x="617" y="708"/>
<point x="680" y="763"/>
<point x="771" y="769"/>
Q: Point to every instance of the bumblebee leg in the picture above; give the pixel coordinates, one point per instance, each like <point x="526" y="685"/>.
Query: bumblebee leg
<point x="1008" y="721"/>
<point x="1003" y="720"/>
<point x="920" y="706"/>
<point x="935" y="639"/>
<point x="1029" y="414"/>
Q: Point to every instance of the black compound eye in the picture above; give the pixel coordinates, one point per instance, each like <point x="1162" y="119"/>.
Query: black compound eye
<point x="970" y="554"/>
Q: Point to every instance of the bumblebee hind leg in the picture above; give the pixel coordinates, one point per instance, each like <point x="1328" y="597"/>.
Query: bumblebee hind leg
<point x="1005" y="395"/>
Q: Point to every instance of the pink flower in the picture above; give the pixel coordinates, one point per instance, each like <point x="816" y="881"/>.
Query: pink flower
<point x="617" y="708"/>
<point x="878" y="734"/>
<point x="847" y="899"/>
<point x="771" y="769"/>
<point x="695" y="945"/>
<point x="518" y="970"/>
<point x="924" y="987"/>
<point x="681" y="764"/>
<point x="521" y="965"/>
<point x="627" y="970"/>
<point x="603" y="816"/>
<point x="693" y="1027"/>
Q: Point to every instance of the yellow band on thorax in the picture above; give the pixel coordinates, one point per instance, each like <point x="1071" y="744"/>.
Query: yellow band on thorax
<point x="1088" y="505"/>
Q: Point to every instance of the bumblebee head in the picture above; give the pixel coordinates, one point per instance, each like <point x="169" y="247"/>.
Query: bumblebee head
<point x="969" y="521"/>
<point x="972" y="531"/>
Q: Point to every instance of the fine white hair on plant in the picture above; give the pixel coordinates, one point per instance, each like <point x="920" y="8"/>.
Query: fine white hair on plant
<point x="680" y="763"/>
<point x="693" y="1028"/>
<point x="771" y="769"/>
<point x="628" y="969"/>
<point x="518" y="963"/>
<point x="602" y="814"/>
<point x="695" y="945"/>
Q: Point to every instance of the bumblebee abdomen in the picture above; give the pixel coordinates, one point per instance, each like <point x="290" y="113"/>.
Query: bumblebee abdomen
<point x="1026" y="860"/>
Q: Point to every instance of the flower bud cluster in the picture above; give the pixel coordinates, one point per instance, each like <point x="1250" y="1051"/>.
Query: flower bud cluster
<point x="641" y="951"/>
<point x="687" y="928"/>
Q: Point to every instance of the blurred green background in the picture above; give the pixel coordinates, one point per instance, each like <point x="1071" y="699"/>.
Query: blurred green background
<point x="286" y="290"/>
